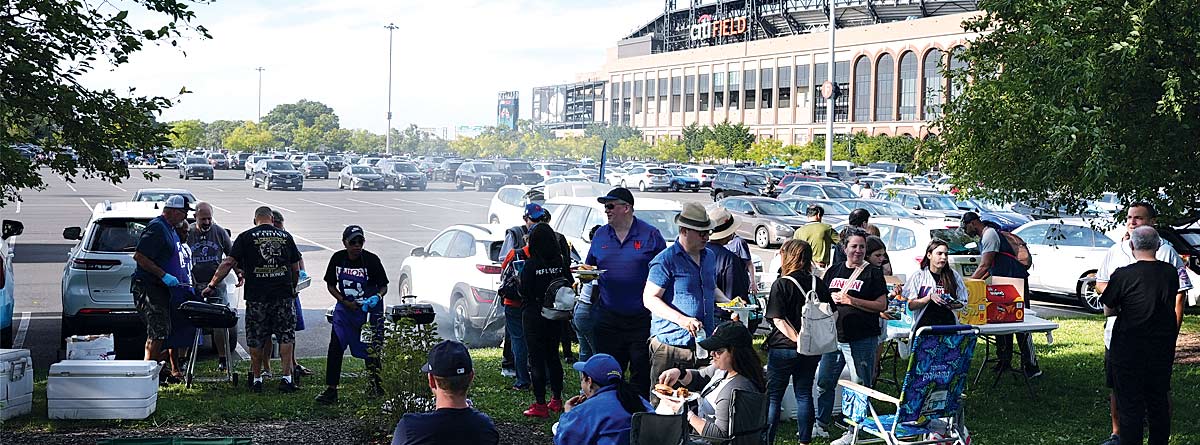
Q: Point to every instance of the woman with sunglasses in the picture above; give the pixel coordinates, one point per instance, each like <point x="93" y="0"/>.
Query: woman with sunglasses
<point x="936" y="290"/>
<point x="735" y="366"/>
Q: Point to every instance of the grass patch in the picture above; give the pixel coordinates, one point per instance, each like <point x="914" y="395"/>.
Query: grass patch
<point x="1070" y="407"/>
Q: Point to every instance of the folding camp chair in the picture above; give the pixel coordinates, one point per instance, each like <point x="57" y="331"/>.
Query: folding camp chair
<point x="929" y="409"/>
<point x="748" y="422"/>
<point x="657" y="429"/>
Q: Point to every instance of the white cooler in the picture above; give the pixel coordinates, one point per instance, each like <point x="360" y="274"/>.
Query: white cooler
<point x="788" y="404"/>
<point x="102" y="389"/>
<point x="16" y="383"/>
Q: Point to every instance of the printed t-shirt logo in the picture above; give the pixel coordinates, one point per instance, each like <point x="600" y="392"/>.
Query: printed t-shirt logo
<point x="846" y="285"/>
<point x="637" y="245"/>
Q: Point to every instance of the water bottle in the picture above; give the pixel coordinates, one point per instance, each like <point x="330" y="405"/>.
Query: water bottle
<point x="701" y="353"/>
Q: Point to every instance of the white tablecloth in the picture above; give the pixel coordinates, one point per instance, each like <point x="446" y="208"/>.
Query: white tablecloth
<point x="1031" y="324"/>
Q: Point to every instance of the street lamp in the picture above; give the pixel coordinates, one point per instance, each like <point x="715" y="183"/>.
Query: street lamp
<point x="388" y="142"/>
<point x="260" y="70"/>
<point x="831" y="93"/>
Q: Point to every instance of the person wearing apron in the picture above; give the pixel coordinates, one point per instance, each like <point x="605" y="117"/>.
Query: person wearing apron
<point x="182" y="332"/>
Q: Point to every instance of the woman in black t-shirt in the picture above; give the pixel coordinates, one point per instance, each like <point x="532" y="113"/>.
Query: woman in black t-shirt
<point x="546" y="263"/>
<point x="859" y="297"/>
<point x="783" y="362"/>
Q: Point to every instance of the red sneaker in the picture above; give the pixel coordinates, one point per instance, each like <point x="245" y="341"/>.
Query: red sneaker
<point x="537" y="410"/>
<point x="555" y="405"/>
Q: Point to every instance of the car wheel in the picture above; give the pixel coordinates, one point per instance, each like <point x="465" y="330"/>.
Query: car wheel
<point x="247" y="176"/>
<point x="458" y="185"/>
<point x="340" y="185"/>
<point x="254" y="183"/>
<point x="461" y="323"/>
<point x="642" y="186"/>
<point x="267" y="184"/>
<point x="762" y="237"/>
<point x="1087" y="296"/>
<point x="721" y="195"/>
<point x="674" y="187"/>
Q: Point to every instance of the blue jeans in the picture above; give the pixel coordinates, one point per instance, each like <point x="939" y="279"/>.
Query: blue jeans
<point x="520" y="349"/>
<point x="861" y="354"/>
<point x="782" y="365"/>
<point x="583" y="329"/>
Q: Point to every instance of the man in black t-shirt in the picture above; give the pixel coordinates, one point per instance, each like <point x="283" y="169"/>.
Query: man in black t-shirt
<point x="356" y="280"/>
<point x="454" y="421"/>
<point x="270" y="262"/>
<point x="1141" y="353"/>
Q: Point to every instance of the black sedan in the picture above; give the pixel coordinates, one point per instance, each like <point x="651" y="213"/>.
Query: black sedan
<point x="315" y="169"/>
<point x="195" y="167"/>
<point x="358" y="177"/>
<point x="273" y="173"/>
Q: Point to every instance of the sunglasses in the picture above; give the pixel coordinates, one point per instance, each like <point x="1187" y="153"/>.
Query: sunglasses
<point x="356" y="242"/>
<point x="701" y="233"/>
<point x="613" y="205"/>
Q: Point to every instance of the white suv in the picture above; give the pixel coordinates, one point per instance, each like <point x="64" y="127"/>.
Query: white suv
<point x="7" y="283"/>
<point x="508" y="205"/>
<point x="458" y="273"/>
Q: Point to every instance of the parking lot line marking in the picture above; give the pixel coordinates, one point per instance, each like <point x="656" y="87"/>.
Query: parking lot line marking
<point x="64" y="180"/>
<point x="19" y="339"/>
<point x="273" y="206"/>
<point x="467" y="203"/>
<point x="118" y="187"/>
<point x="423" y="227"/>
<point x="386" y="237"/>
<point x="218" y="208"/>
<point x="214" y="188"/>
<point x="327" y="205"/>
<point x="18" y="206"/>
<point x="381" y="205"/>
<point x="85" y="204"/>
<point x="431" y="205"/>
<point x="301" y="238"/>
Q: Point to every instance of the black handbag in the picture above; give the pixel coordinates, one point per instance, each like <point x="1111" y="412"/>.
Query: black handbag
<point x="209" y="315"/>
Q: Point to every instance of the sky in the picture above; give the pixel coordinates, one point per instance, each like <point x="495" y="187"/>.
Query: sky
<point x="450" y="58"/>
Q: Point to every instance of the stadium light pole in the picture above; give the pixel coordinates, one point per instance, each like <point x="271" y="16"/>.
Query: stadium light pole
<point x="832" y="97"/>
<point x="388" y="142"/>
<point x="260" y="70"/>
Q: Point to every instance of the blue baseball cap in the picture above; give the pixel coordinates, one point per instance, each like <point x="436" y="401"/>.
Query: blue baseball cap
<point x="448" y="359"/>
<point x="602" y="368"/>
<point x="534" y="210"/>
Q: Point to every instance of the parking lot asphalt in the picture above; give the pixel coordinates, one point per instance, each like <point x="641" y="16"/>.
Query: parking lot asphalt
<point x="395" y="222"/>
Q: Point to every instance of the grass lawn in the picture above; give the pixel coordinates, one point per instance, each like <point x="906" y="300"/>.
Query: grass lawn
<point x="1070" y="406"/>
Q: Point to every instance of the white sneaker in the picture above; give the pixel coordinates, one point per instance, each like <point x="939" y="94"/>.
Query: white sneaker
<point x="818" y="431"/>
<point x="846" y="439"/>
<point x="508" y="372"/>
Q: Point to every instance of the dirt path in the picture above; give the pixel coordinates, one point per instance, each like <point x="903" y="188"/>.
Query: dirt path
<point x="1187" y="349"/>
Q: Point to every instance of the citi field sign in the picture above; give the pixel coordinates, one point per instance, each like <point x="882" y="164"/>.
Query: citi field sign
<point x="708" y="28"/>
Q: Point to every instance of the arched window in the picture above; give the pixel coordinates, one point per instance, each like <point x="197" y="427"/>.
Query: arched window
<point x="885" y="79"/>
<point x="932" y="80"/>
<point x="908" y="86"/>
<point x="862" y="89"/>
<point x="957" y="64"/>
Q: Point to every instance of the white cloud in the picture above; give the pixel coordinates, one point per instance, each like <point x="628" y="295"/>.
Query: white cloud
<point x="450" y="58"/>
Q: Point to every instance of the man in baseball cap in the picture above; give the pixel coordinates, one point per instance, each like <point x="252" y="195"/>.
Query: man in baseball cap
<point x="178" y="202"/>
<point x="453" y="421"/>
<point x="357" y="281"/>
<point x="604" y="412"/>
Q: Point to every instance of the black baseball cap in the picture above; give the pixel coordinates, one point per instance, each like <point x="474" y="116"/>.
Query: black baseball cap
<point x="618" y="194"/>
<point x="351" y="232"/>
<point x="448" y="359"/>
<point x="730" y="333"/>
<point x="968" y="218"/>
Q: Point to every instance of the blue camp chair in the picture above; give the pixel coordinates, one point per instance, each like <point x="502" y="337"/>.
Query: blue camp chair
<point x="929" y="410"/>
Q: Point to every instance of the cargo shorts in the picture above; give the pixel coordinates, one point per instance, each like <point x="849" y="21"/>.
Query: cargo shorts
<point x="273" y="317"/>
<point x="153" y="303"/>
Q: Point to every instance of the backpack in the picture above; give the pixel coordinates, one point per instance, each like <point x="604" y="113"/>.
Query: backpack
<point x="817" y="333"/>
<point x="510" y="280"/>
<point x="559" y="301"/>
<point x="1020" y="251"/>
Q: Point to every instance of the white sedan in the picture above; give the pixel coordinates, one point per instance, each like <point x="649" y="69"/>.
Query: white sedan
<point x="1066" y="253"/>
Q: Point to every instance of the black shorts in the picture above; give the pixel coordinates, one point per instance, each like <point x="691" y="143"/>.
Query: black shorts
<point x="266" y="318"/>
<point x="153" y="302"/>
<point x="1108" y="373"/>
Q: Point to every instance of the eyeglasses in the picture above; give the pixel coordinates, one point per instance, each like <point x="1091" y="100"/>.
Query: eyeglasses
<point x="701" y="233"/>
<point x="612" y="205"/>
<point x="718" y="351"/>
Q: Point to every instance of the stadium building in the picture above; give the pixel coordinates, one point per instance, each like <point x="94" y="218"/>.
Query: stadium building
<point x="762" y="63"/>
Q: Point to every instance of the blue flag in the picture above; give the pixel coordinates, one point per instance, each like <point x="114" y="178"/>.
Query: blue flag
<point x="603" y="158"/>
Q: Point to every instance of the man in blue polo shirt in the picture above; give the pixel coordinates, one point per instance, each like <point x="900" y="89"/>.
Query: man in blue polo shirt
<point x="624" y="248"/>
<point x="681" y="292"/>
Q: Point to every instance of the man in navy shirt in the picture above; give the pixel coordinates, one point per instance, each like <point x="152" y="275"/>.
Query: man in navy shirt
<point x="624" y="248"/>
<point x="681" y="292"/>
<point x="453" y="422"/>
<point x="159" y="268"/>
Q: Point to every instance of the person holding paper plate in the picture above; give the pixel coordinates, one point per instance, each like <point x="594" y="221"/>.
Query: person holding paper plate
<point x="735" y="366"/>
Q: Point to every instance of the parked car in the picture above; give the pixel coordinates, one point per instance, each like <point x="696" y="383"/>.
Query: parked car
<point x="361" y="176"/>
<point x="8" y="282"/>
<point x="446" y="170"/>
<point x="645" y="179"/>
<point x="705" y="175"/>
<point x="550" y="169"/>
<point x="195" y="167"/>
<point x="590" y="173"/>
<point x="402" y="175"/>
<point x="458" y="273"/>
<point x="252" y="163"/>
<point x="427" y="167"/>
<point x="161" y="195"/>
<point x="1008" y="220"/>
<point x="613" y="175"/>
<point x="218" y="160"/>
<point x="168" y="159"/>
<point x="731" y="183"/>
<point x="272" y="173"/>
<point x="335" y="162"/>
<point x="878" y="207"/>
<point x="766" y="221"/>
<point x="239" y="160"/>
<point x="519" y="172"/>
<point x="315" y="169"/>
<point x="296" y="160"/>
<point x="680" y="180"/>
<point x="834" y="211"/>
<point x="508" y="205"/>
<point x="928" y="204"/>
<point x="818" y="190"/>
<point x="479" y="174"/>
<point x="1066" y="255"/>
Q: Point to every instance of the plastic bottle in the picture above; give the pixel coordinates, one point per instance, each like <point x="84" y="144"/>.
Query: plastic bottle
<point x="701" y="353"/>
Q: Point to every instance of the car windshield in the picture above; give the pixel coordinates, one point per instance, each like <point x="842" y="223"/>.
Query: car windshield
<point x="361" y="170"/>
<point x="279" y="165"/>
<point x="677" y="172"/>
<point x="404" y="168"/>
<point x="483" y="167"/>
<point x="556" y="167"/>
<point x="334" y="159"/>
<point x="778" y="174"/>
<point x="663" y="220"/>
<point x="519" y="167"/>
<point x="314" y="163"/>
<point x="657" y="171"/>
<point x="313" y="158"/>
<point x="453" y="165"/>
<point x="756" y="179"/>
<point x="930" y="202"/>
<point x="196" y="160"/>
<point x="217" y="156"/>
<point x="162" y="196"/>
<point x="832" y="207"/>
<point x="957" y="241"/>
<point x="773" y="208"/>
<point x="116" y="234"/>
<point x="838" y="192"/>
<point x="710" y="171"/>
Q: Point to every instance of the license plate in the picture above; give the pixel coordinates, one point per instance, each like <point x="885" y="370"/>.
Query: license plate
<point x="287" y="181"/>
<point x="969" y="269"/>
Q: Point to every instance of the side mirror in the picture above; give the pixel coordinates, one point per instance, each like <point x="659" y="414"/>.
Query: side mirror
<point x="418" y="251"/>
<point x="73" y="233"/>
<point x="916" y="207"/>
<point x="12" y="228"/>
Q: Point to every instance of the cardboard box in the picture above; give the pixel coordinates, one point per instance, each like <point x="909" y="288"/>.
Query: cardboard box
<point x="975" y="311"/>
<point x="1006" y="300"/>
